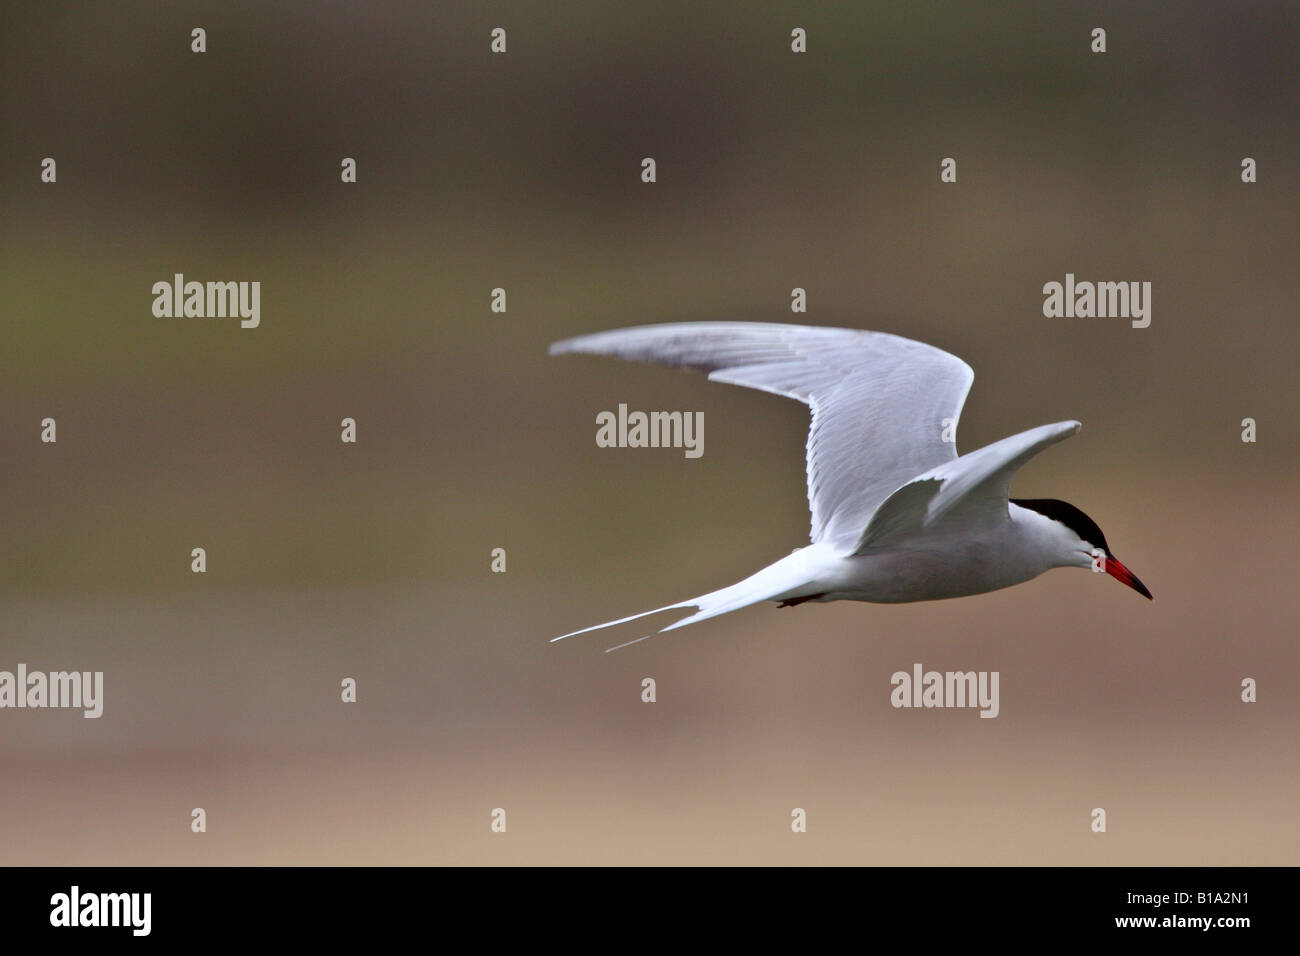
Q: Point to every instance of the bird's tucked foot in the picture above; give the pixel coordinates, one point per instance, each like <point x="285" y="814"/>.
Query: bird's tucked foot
<point x="792" y="602"/>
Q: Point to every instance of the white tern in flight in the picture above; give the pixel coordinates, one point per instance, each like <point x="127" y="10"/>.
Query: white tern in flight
<point x="897" y="514"/>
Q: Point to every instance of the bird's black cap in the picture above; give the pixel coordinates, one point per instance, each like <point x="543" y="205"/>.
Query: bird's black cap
<point x="1068" y="515"/>
<point x="1087" y="530"/>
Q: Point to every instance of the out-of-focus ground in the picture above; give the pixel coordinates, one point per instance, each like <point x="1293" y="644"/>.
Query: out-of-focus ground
<point x="372" y="561"/>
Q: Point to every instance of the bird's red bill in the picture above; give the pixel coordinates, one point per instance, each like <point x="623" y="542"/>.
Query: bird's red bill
<point x="1124" y="576"/>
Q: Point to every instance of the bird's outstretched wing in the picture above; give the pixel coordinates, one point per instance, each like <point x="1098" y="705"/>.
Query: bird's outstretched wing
<point x="971" y="490"/>
<point x="882" y="405"/>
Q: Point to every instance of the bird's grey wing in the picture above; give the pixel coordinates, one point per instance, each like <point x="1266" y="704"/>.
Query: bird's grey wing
<point x="882" y="405"/>
<point x="971" y="490"/>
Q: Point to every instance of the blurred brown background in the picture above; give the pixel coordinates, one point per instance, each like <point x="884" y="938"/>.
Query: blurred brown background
<point x="776" y="170"/>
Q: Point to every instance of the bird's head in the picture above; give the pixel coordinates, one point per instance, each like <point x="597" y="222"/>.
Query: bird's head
<point x="1078" y="542"/>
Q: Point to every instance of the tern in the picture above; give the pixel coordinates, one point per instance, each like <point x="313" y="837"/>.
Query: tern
<point x="897" y="515"/>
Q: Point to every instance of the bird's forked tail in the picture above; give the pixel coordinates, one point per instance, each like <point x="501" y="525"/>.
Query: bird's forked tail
<point x="782" y="579"/>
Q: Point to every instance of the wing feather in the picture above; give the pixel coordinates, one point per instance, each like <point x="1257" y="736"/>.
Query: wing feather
<point x="881" y="404"/>
<point x="971" y="490"/>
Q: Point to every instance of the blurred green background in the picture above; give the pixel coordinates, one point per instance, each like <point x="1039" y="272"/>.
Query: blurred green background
<point x="521" y="171"/>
